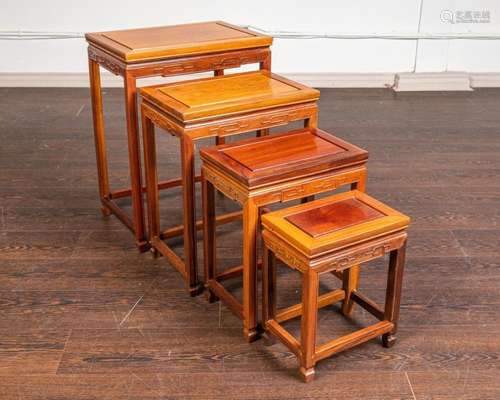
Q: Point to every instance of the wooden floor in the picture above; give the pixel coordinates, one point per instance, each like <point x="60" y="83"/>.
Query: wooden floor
<point x="84" y="316"/>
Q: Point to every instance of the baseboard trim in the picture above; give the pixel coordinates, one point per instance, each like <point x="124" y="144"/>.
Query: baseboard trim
<point x="485" y="80"/>
<point x="344" y="80"/>
<point x="433" y="81"/>
<point x="74" y="79"/>
<point x="400" y="82"/>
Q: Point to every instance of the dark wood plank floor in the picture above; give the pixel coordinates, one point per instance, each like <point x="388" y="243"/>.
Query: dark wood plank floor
<point x="84" y="316"/>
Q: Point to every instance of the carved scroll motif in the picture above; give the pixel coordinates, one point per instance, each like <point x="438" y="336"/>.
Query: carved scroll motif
<point x="230" y="62"/>
<point x="353" y="259"/>
<point x="225" y="187"/>
<point x="161" y="121"/>
<point x="319" y="186"/>
<point x="230" y="128"/>
<point x="203" y="65"/>
<point x="285" y="255"/>
<point x="106" y="63"/>
<point x="279" y="119"/>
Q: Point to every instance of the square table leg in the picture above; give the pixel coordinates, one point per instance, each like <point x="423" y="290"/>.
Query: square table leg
<point x="209" y="234"/>
<point x="189" y="211"/>
<point x="350" y="276"/>
<point x="268" y="285"/>
<point x="151" y="173"/>
<point x="99" y="138"/>
<point x="134" y="160"/>
<point x="308" y="323"/>
<point x="250" y="223"/>
<point x="393" y="293"/>
<point x="219" y="140"/>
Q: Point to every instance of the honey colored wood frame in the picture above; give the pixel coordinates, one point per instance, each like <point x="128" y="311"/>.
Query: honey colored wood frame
<point x="306" y="350"/>
<point x="188" y="134"/>
<point x="253" y="201"/>
<point x="97" y="58"/>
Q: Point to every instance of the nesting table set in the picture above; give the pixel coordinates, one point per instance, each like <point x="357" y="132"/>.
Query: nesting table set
<point x="334" y="234"/>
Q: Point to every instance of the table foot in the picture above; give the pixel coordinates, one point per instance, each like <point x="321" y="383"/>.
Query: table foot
<point x="251" y="335"/>
<point x="307" y="374"/>
<point x="105" y="211"/>
<point x="196" y="290"/>
<point x="388" y="340"/>
<point x="210" y="296"/>
<point x="143" y="246"/>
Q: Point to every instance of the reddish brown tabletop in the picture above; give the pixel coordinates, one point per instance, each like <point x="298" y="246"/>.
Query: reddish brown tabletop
<point x="289" y="155"/>
<point x="163" y="42"/>
<point x="334" y="222"/>
<point x="332" y="217"/>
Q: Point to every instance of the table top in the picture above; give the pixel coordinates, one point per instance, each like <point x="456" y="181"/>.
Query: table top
<point x="164" y="42"/>
<point x="334" y="222"/>
<point x="291" y="155"/>
<point x="227" y="95"/>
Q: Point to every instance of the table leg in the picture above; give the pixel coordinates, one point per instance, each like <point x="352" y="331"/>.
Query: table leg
<point x="99" y="138"/>
<point x="250" y="221"/>
<point x="266" y="63"/>
<point x="135" y="161"/>
<point x="360" y="184"/>
<point x="266" y="66"/>
<point x="350" y="276"/>
<point x="152" y="195"/>
<point x="311" y="122"/>
<point x="209" y="246"/>
<point x="393" y="294"/>
<point x="219" y="140"/>
<point x="189" y="206"/>
<point x="268" y="285"/>
<point x="308" y="323"/>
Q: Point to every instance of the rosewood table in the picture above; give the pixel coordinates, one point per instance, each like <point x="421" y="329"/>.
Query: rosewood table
<point x="211" y="107"/>
<point x="160" y="51"/>
<point x="263" y="171"/>
<point x="332" y="234"/>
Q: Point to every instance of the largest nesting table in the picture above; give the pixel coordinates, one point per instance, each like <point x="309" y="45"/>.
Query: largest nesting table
<point x="160" y="51"/>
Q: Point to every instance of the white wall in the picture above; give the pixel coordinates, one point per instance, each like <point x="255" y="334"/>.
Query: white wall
<point x="318" y="55"/>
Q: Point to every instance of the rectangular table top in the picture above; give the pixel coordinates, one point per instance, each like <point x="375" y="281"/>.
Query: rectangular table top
<point x="164" y="42"/>
<point x="227" y="95"/>
<point x="333" y="216"/>
<point x="273" y="159"/>
<point x="334" y="222"/>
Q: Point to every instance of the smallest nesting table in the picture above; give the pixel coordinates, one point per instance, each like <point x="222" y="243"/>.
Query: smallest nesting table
<point x="332" y="234"/>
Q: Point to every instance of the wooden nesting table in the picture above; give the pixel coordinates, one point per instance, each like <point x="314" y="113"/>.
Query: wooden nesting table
<point x="211" y="107"/>
<point x="332" y="234"/>
<point x="160" y="51"/>
<point x="263" y="171"/>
